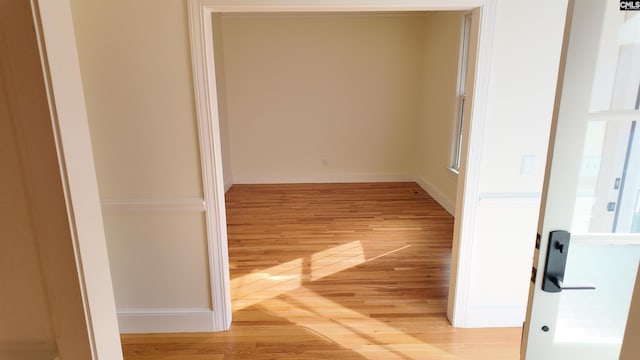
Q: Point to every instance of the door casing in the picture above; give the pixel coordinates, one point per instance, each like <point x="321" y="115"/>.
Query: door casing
<point x="203" y="60"/>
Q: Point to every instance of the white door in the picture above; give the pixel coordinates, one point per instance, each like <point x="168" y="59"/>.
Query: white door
<point x="588" y="246"/>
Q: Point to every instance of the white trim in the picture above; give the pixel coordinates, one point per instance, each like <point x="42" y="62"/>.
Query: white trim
<point x="615" y="115"/>
<point x="138" y="321"/>
<point x="536" y="195"/>
<point x="313" y="15"/>
<point x="322" y="178"/>
<point x="227" y="186"/>
<point x="201" y="36"/>
<point x="461" y="94"/>
<point x="255" y="6"/>
<point x="468" y="181"/>
<point x="437" y="195"/>
<point x="200" y="26"/>
<point x="495" y="315"/>
<point x="61" y="69"/>
<point x="618" y="239"/>
<point x="163" y="204"/>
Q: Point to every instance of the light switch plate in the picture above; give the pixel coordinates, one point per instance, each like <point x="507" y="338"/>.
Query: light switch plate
<point x="527" y="164"/>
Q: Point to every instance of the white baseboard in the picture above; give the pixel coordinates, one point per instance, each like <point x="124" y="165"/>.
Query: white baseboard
<point x="227" y="186"/>
<point x="495" y="315"/>
<point x="437" y="195"/>
<point x="136" y="321"/>
<point x="321" y="178"/>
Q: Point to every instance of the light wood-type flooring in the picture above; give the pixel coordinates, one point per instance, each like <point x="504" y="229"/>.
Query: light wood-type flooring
<point x="335" y="271"/>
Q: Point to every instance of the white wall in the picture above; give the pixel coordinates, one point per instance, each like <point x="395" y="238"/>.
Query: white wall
<point x="322" y="97"/>
<point x="442" y="34"/>
<point x="523" y="76"/>
<point x="136" y="70"/>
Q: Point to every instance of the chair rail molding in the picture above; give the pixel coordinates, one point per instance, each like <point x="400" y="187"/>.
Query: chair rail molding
<point x="187" y="204"/>
<point x="203" y="67"/>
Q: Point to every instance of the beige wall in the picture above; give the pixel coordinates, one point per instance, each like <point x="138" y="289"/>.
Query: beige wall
<point x="361" y="109"/>
<point x="56" y="294"/>
<point x="223" y="117"/>
<point x="322" y="97"/>
<point x="136" y="70"/>
<point x="138" y="86"/>
<point x="137" y="77"/>
<point x="442" y="33"/>
<point x="23" y="303"/>
<point x="168" y="255"/>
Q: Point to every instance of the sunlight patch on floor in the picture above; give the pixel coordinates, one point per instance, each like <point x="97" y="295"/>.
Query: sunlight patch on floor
<point x="253" y="288"/>
<point x="336" y="259"/>
<point x="350" y="329"/>
<point x="280" y="291"/>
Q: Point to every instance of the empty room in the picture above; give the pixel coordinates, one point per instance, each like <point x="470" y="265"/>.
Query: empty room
<point x="294" y="179"/>
<point x="335" y="129"/>
<point x="242" y="179"/>
<point x="362" y="106"/>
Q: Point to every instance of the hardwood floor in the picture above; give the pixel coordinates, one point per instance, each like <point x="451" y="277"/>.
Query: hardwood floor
<point x="335" y="271"/>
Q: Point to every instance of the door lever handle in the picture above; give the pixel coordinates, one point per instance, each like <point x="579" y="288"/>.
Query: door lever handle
<point x="582" y="286"/>
<point x="556" y="261"/>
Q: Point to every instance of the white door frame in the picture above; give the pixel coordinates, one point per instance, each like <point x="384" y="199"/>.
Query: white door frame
<point x="203" y="60"/>
<point x="41" y="74"/>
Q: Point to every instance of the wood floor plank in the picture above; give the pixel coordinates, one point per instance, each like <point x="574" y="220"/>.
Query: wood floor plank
<point x="335" y="271"/>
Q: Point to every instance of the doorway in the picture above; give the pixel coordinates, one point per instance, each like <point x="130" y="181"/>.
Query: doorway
<point x="209" y="109"/>
<point x="349" y="99"/>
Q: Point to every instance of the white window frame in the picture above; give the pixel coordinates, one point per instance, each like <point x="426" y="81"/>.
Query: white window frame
<point x="461" y="95"/>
